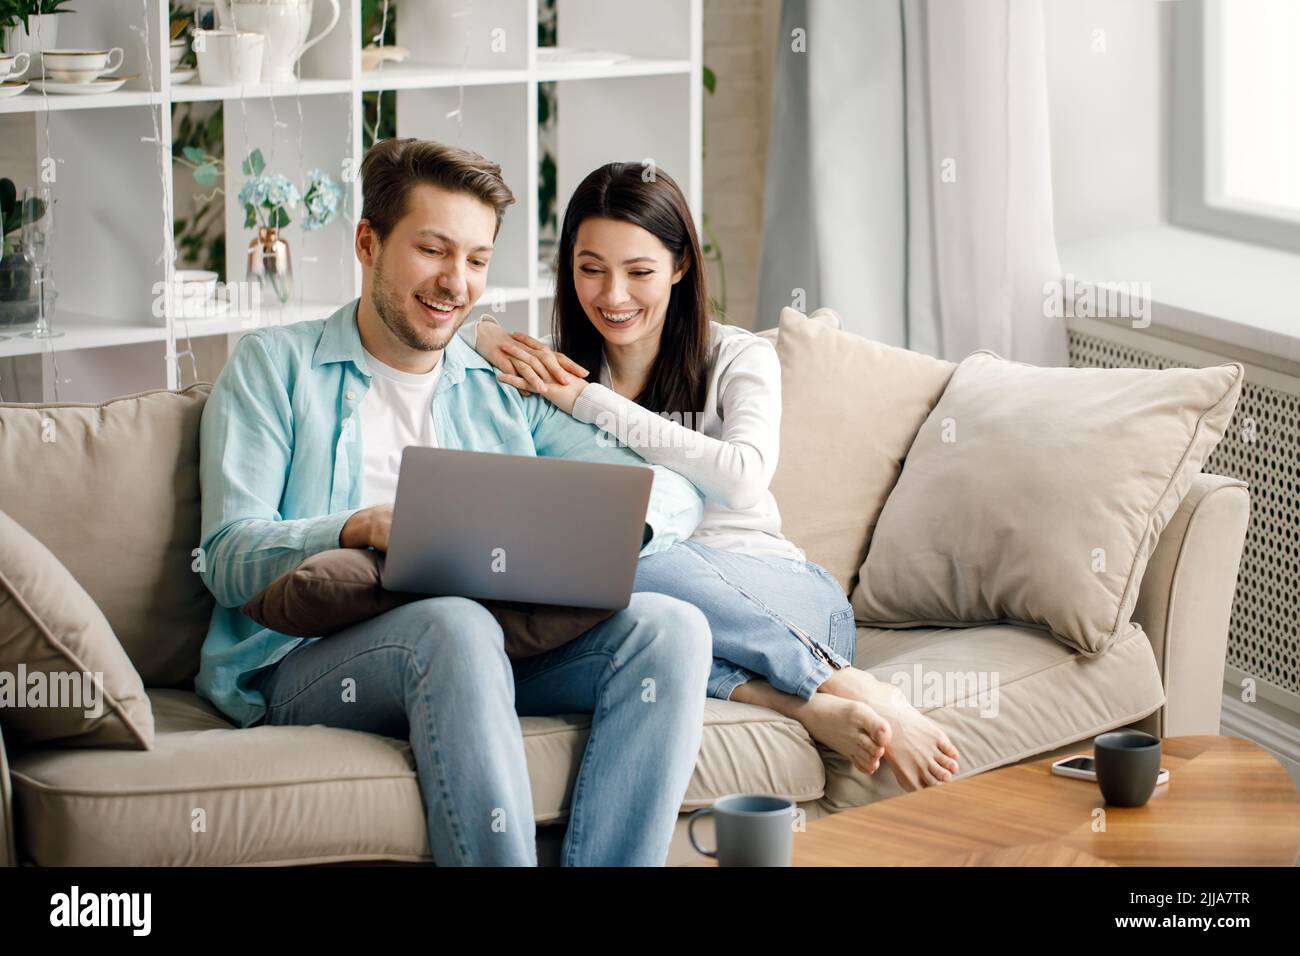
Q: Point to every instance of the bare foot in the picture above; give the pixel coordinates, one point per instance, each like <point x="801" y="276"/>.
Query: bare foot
<point x="849" y="727"/>
<point x="918" y="751"/>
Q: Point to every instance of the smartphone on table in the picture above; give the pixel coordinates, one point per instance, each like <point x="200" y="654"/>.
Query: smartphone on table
<point x="1083" y="767"/>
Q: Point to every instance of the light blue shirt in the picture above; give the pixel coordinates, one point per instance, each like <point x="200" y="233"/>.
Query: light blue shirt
<point x="281" y="470"/>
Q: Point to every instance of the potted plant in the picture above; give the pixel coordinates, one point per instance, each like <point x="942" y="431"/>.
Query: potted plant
<point x="30" y="25"/>
<point x="267" y="200"/>
<point x="18" y="304"/>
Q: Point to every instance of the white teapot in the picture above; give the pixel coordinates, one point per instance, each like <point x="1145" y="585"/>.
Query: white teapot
<point x="284" y="23"/>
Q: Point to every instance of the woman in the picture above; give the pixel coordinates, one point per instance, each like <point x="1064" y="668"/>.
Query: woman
<point x="704" y="399"/>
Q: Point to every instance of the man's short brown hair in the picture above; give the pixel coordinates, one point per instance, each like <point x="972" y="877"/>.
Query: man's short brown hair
<point x="392" y="166"/>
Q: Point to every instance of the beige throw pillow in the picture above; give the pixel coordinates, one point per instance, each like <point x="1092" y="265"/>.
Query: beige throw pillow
<point x="113" y="491"/>
<point x="1038" y="494"/>
<point x="63" y="675"/>
<point x="850" y="408"/>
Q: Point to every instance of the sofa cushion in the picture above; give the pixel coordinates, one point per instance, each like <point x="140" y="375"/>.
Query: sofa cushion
<point x="1038" y="494"/>
<point x="1002" y="692"/>
<point x="53" y="638"/>
<point x="318" y="794"/>
<point x="850" y="408"/>
<point x="128" y="471"/>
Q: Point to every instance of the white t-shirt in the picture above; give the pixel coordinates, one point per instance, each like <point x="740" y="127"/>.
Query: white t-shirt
<point x="395" y="412"/>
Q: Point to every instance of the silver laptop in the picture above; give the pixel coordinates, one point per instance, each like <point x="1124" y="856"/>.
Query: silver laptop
<point x="516" y="528"/>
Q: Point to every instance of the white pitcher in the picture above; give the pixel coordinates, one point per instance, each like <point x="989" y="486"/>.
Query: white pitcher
<point x="284" y="23"/>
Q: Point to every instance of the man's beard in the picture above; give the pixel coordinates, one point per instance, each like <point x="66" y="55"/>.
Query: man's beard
<point x="391" y="308"/>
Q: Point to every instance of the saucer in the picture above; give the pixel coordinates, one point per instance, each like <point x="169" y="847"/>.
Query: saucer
<point x="73" y="76"/>
<point x="182" y="76"/>
<point x="105" y="84"/>
<point x="12" y="87"/>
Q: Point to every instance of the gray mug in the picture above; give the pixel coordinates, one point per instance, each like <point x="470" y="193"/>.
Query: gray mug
<point x="1127" y="762"/>
<point x="751" y="830"/>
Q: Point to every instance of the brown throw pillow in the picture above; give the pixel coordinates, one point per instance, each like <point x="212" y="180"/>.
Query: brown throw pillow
<point x="335" y="589"/>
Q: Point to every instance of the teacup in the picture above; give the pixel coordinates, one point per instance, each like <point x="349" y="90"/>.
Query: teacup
<point x="9" y="68"/>
<point x="177" y="51"/>
<point x="229" y="57"/>
<point x="80" y="66"/>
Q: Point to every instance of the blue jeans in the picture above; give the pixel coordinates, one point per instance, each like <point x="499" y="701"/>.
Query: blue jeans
<point x="786" y="622"/>
<point x="434" y="672"/>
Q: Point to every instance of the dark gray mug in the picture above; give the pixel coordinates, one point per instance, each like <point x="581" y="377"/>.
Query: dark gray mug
<point x="751" y="830"/>
<point x="1127" y="763"/>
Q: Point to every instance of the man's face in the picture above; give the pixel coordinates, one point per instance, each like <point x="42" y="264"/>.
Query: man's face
<point x="432" y="268"/>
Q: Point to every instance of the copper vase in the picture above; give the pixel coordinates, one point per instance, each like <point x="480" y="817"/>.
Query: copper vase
<point x="270" y="264"/>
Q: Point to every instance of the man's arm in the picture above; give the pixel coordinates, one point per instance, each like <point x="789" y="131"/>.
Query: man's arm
<point x="246" y="445"/>
<point x="675" y="507"/>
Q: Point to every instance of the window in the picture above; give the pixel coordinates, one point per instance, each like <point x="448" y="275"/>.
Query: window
<point x="1236" y="130"/>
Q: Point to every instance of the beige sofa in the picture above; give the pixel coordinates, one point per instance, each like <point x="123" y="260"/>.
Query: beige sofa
<point x="117" y="502"/>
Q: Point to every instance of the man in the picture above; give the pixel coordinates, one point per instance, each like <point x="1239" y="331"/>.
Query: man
<point x="301" y="440"/>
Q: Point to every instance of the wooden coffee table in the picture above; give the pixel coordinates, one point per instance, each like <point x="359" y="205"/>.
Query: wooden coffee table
<point x="1228" y="803"/>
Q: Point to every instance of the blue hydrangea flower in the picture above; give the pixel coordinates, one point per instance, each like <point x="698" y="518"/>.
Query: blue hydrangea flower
<point x="281" y="192"/>
<point x="322" y="200"/>
<point x="255" y="191"/>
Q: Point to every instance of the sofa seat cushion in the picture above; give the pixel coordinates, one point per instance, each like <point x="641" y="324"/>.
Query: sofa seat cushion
<point x="1002" y="692"/>
<point x="212" y="794"/>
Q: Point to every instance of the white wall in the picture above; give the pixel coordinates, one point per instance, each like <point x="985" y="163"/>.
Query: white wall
<point x="1109" y="114"/>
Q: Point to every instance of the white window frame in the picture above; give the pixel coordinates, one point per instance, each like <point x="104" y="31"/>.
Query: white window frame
<point x="1191" y="158"/>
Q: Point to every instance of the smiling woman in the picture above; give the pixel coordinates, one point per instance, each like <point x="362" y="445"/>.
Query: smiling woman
<point x="632" y="306"/>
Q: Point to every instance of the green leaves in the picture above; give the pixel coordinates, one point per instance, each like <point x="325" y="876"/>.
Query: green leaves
<point x="254" y="164"/>
<point x="207" y="175"/>
<point x="8" y="197"/>
<point x="710" y="80"/>
<point x="11" y="208"/>
<point x="276" y="218"/>
<point x="14" y="12"/>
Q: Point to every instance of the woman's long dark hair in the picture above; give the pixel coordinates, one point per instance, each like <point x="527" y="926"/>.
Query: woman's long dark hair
<point x="678" y="380"/>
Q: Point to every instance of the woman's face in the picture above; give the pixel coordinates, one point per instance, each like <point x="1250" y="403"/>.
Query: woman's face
<point x="624" y="276"/>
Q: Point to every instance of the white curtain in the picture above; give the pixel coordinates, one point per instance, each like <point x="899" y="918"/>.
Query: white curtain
<point x="909" y="177"/>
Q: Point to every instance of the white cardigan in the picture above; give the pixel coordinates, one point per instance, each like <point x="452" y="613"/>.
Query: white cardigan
<point x="730" y="457"/>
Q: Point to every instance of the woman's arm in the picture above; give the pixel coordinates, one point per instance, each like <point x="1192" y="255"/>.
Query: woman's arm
<point x="736" y="469"/>
<point x="536" y="366"/>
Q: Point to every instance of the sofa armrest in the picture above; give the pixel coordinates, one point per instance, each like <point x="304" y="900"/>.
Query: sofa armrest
<point x="1185" y="601"/>
<point x="8" y="842"/>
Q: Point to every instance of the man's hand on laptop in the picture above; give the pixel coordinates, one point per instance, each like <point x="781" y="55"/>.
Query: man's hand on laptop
<point x="368" y="528"/>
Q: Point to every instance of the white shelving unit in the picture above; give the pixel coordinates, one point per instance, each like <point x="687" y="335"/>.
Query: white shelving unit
<point x="472" y="80"/>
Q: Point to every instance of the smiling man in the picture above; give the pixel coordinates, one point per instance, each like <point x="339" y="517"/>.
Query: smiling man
<point x="301" y="441"/>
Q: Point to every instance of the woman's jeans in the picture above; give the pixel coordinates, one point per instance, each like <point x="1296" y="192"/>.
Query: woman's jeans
<point x="434" y="672"/>
<point x="786" y="622"/>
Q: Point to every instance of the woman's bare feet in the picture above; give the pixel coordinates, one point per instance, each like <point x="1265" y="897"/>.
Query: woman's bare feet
<point x="849" y="727"/>
<point x="918" y="752"/>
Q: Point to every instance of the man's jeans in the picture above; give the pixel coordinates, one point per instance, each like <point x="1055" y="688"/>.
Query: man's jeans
<point x="435" y="672"/>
